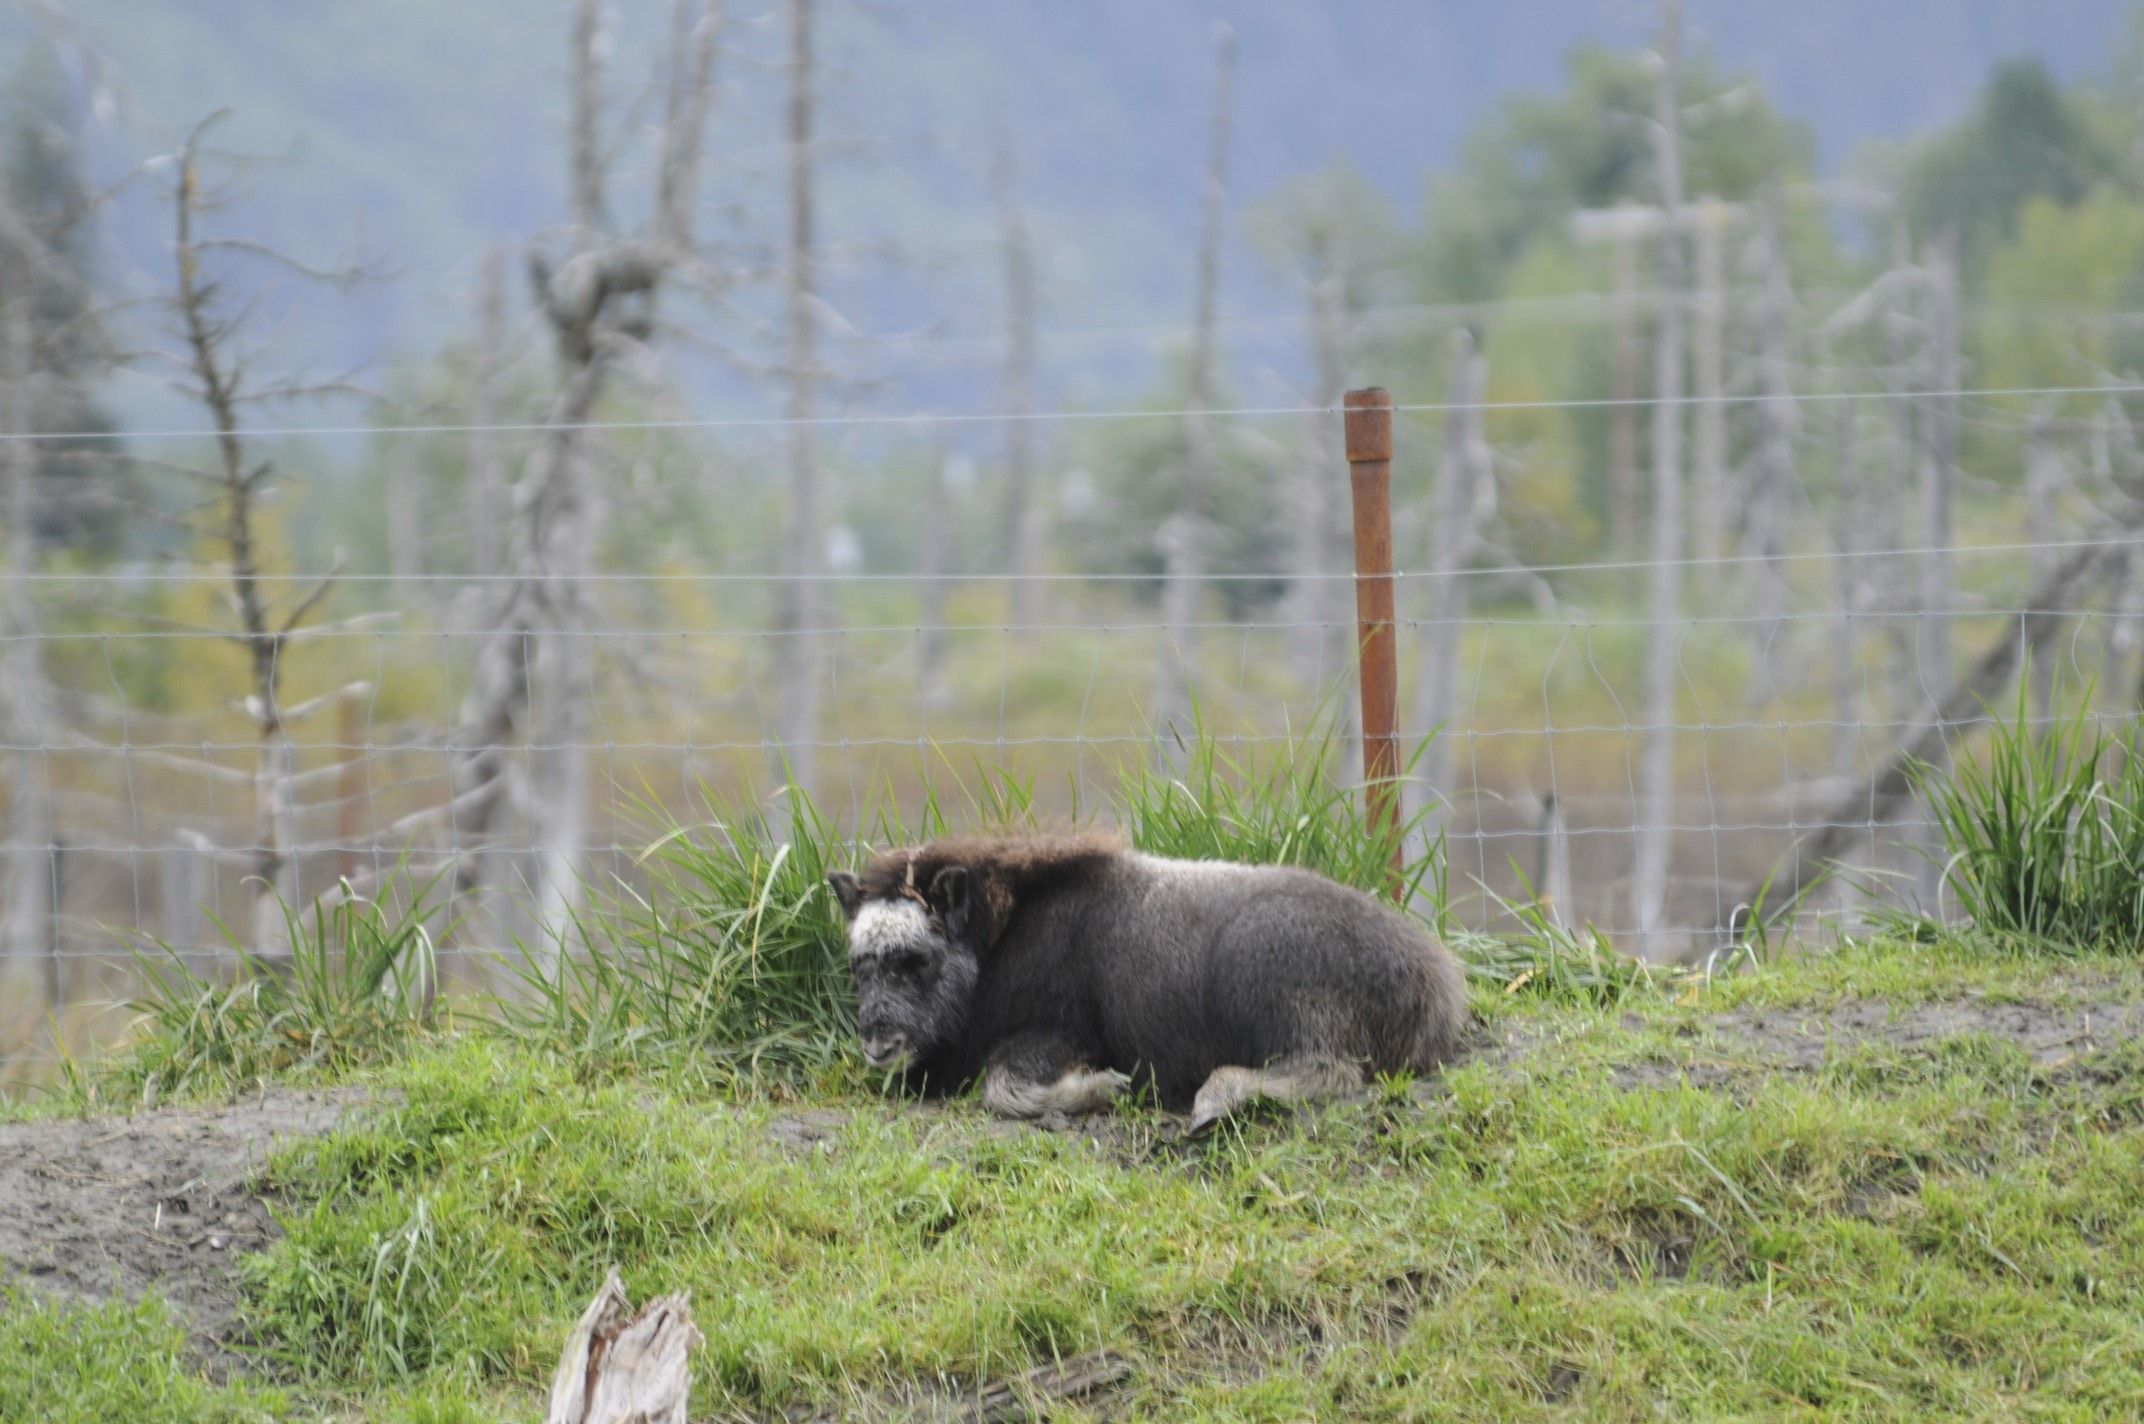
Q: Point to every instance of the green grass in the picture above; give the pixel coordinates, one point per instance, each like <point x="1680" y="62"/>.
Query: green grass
<point x="729" y="957"/>
<point x="1276" y="806"/>
<point x="92" y="1365"/>
<point x="2044" y="833"/>
<point x="355" y="989"/>
<point x="1941" y="1230"/>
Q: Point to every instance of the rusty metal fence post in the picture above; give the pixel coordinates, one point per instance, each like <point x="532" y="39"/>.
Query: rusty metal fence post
<point x="1368" y="426"/>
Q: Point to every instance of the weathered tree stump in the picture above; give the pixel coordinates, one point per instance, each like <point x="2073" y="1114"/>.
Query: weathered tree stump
<point x="623" y="1368"/>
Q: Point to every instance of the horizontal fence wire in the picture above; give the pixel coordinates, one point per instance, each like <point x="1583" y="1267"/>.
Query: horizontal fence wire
<point x="176" y="573"/>
<point x="897" y="419"/>
<point x="132" y="766"/>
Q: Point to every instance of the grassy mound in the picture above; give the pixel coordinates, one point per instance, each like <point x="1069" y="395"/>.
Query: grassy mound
<point x="1891" y="1182"/>
<point x="1607" y="1214"/>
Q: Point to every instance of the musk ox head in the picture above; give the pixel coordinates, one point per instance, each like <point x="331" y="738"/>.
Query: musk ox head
<point x="915" y="972"/>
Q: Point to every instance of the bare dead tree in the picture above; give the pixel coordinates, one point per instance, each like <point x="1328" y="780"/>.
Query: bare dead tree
<point x="1708" y="451"/>
<point x="798" y="595"/>
<point x="1026" y="511"/>
<point x="932" y="568"/>
<point x="599" y="303"/>
<point x="1849" y="585"/>
<point x="1324" y="535"/>
<point x="1623" y="497"/>
<point x="1453" y="540"/>
<point x="27" y="921"/>
<point x="1912" y="311"/>
<point x="1903" y="326"/>
<point x="1939" y="460"/>
<point x="1889" y="307"/>
<point x="52" y="342"/>
<point x="1937" y="586"/>
<point x="1656" y="770"/>
<point x="1330" y="239"/>
<point x="405" y="512"/>
<point x="1777" y="419"/>
<point x="2118" y="462"/>
<point x="486" y="480"/>
<point x="1317" y="602"/>
<point x="213" y="376"/>
<point x="2043" y="484"/>
<point x="2028" y="637"/>
<point x="1183" y="536"/>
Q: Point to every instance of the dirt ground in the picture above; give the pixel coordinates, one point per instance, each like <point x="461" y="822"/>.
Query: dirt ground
<point x="166" y="1200"/>
<point x="1752" y="1042"/>
<point x="162" y="1200"/>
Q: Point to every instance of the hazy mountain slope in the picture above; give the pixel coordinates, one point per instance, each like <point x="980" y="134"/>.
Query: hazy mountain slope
<point x="428" y="129"/>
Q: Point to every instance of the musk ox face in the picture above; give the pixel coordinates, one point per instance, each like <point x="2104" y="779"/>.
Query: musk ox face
<point x="915" y="978"/>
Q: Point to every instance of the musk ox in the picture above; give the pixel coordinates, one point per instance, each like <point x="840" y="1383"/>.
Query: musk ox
<point x="1060" y="969"/>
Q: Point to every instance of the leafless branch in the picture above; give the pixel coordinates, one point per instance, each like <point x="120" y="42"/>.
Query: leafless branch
<point x="312" y="597"/>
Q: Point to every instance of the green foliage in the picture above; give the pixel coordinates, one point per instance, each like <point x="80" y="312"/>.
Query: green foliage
<point x="1280" y="806"/>
<point x="1127" y="482"/>
<point x="1549" y="961"/>
<point x="1589" y="146"/>
<point x="1331" y="227"/>
<point x="95" y="1364"/>
<point x="2044" y="834"/>
<point x="732" y="954"/>
<point x="2024" y="140"/>
<point x="2065" y="264"/>
<point x="355" y="990"/>
<point x="1553" y="500"/>
<point x="48" y="276"/>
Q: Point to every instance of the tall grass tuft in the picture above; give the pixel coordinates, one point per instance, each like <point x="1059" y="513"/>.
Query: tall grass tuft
<point x="731" y="960"/>
<point x="2044" y="834"/>
<point x="731" y="957"/>
<point x="1282" y="806"/>
<point x="356" y="989"/>
<point x="1548" y="960"/>
<point x="731" y="953"/>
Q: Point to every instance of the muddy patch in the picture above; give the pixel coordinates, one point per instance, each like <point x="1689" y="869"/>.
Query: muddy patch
<point x="161" y="1201"/>
<point x="2048" y="1033"/>
<point x="1731" y="1048"/>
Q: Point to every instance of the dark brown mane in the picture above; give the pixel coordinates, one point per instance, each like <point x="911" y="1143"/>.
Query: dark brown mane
<point x="1013" y="861"/>
<point x="1003" y="867"/>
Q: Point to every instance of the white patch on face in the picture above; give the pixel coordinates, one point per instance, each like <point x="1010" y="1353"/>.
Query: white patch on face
<point x="881" y="925"/>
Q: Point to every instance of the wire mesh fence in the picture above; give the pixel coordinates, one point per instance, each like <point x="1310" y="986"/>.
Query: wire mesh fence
<point x="1644" y="745"/>
<point x="144" y="794"/>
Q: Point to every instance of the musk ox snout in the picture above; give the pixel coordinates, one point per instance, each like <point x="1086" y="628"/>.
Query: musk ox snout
<point x="885" y="1047"/>
<point x="915" y="981"/>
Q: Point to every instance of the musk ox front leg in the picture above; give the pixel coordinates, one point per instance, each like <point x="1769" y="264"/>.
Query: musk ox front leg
<point x="1031" y="1074"/>
<point x="1302" y="1078"/>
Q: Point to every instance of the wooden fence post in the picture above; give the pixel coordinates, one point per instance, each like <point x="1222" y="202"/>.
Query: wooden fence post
<point x="1368" y="426"/>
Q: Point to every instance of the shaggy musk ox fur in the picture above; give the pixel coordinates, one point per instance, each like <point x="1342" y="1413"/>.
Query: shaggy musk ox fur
<point x="1060" y="968"/>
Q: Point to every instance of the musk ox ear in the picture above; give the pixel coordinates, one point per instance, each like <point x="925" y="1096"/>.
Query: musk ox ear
<point x="847" y="889"/>
<point x="949" y="896"/>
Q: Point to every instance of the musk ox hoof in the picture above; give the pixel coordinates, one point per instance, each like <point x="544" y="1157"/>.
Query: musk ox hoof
<point x="1290" y="1080"/>
<point x="1083" y="1090"/>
